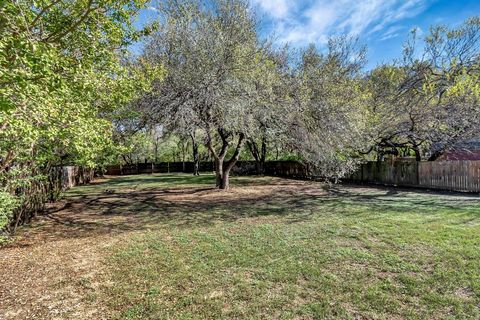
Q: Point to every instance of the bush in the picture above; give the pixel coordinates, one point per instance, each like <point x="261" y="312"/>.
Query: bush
<point x="8" y="203"/>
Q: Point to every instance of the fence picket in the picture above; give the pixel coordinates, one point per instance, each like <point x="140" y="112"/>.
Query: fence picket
<point x="445" y="175"/>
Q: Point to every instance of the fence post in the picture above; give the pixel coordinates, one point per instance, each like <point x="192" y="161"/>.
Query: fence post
<point x="417" y="165"/>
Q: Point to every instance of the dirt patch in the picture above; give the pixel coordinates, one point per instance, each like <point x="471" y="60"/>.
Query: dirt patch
<point x="50" y="280"/>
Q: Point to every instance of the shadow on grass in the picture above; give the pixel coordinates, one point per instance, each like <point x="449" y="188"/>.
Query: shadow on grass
<point x="133" y="203"/>
<point x="409" y="198"/>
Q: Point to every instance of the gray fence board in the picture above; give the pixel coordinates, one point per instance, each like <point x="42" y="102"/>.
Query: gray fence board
<point x="446" y="175"/>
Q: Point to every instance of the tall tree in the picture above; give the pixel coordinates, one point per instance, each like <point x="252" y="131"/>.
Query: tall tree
<point x="210" y="50"/>
<point x="271" y="100"/>
<point x="430" y="102"/>
<point x="327" y="125"/>
<point x="61" y="70"/>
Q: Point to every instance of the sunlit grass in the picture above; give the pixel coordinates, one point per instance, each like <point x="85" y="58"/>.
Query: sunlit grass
<point x="353" y="253"/>
<point x="159" y="180"/>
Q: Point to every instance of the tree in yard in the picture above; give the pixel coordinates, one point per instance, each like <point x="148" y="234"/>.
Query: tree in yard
<point x="445" y="82"/>
<point x="431" y="102"/>
<point x="326" y="125"/>
<point x="271" y="100"/>
<point x="211" y="52"/>
<point x="391" y="122"/>
<point x="196" y="154"/>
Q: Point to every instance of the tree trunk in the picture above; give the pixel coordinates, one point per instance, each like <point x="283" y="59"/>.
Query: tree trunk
<point x="196" y="156"/>
<point x="258" y="155"/>
<point x="219" y="173"/>
<point x="225" y="181"/>
<point x="435" y="155"/>
<point x="222" y="170"/>
<point x="155" y="145"/>
<point x="263" y="156"/>
<point x="418" y="153"/>
<point x="259" y="168"/>
<point x="183" y="156"/>
<point x="225" y="178"/>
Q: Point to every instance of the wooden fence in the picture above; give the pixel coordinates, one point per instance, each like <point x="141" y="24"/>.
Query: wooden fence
<point x="161" y="167"/>
<point x="288" y="169"/>
<point x="291" y="169"/>
<point x="37" y="192"/>
<point x="443" y="175"/>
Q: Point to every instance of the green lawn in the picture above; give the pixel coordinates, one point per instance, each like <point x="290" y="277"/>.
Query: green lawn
<point x="300" y="251"/>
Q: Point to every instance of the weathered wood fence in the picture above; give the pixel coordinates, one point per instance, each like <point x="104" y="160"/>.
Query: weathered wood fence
<point x="161" y="167"/>
<point x="37" y="192"/>
<point x="293" y="169"/>
<point x="443" y="175"/>
<point x="289" y="169"/>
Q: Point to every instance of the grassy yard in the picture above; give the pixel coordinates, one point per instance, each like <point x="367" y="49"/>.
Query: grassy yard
<point x="277" y="249"/>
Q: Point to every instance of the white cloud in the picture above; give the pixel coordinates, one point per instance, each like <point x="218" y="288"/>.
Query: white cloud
<point x="316" y="20"/>
<point x="152" y="9"/>
<point x="275" y="8"/>
<point x="392" y="32"/>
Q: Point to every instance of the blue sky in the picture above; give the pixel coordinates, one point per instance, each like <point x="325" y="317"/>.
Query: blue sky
<point x="382" y="25"/>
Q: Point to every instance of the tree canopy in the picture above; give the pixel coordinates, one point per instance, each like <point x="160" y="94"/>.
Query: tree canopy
<point x="63" y="70"/>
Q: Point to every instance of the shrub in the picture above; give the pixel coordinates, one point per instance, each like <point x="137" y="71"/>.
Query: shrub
<point x="8" y="203"/>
